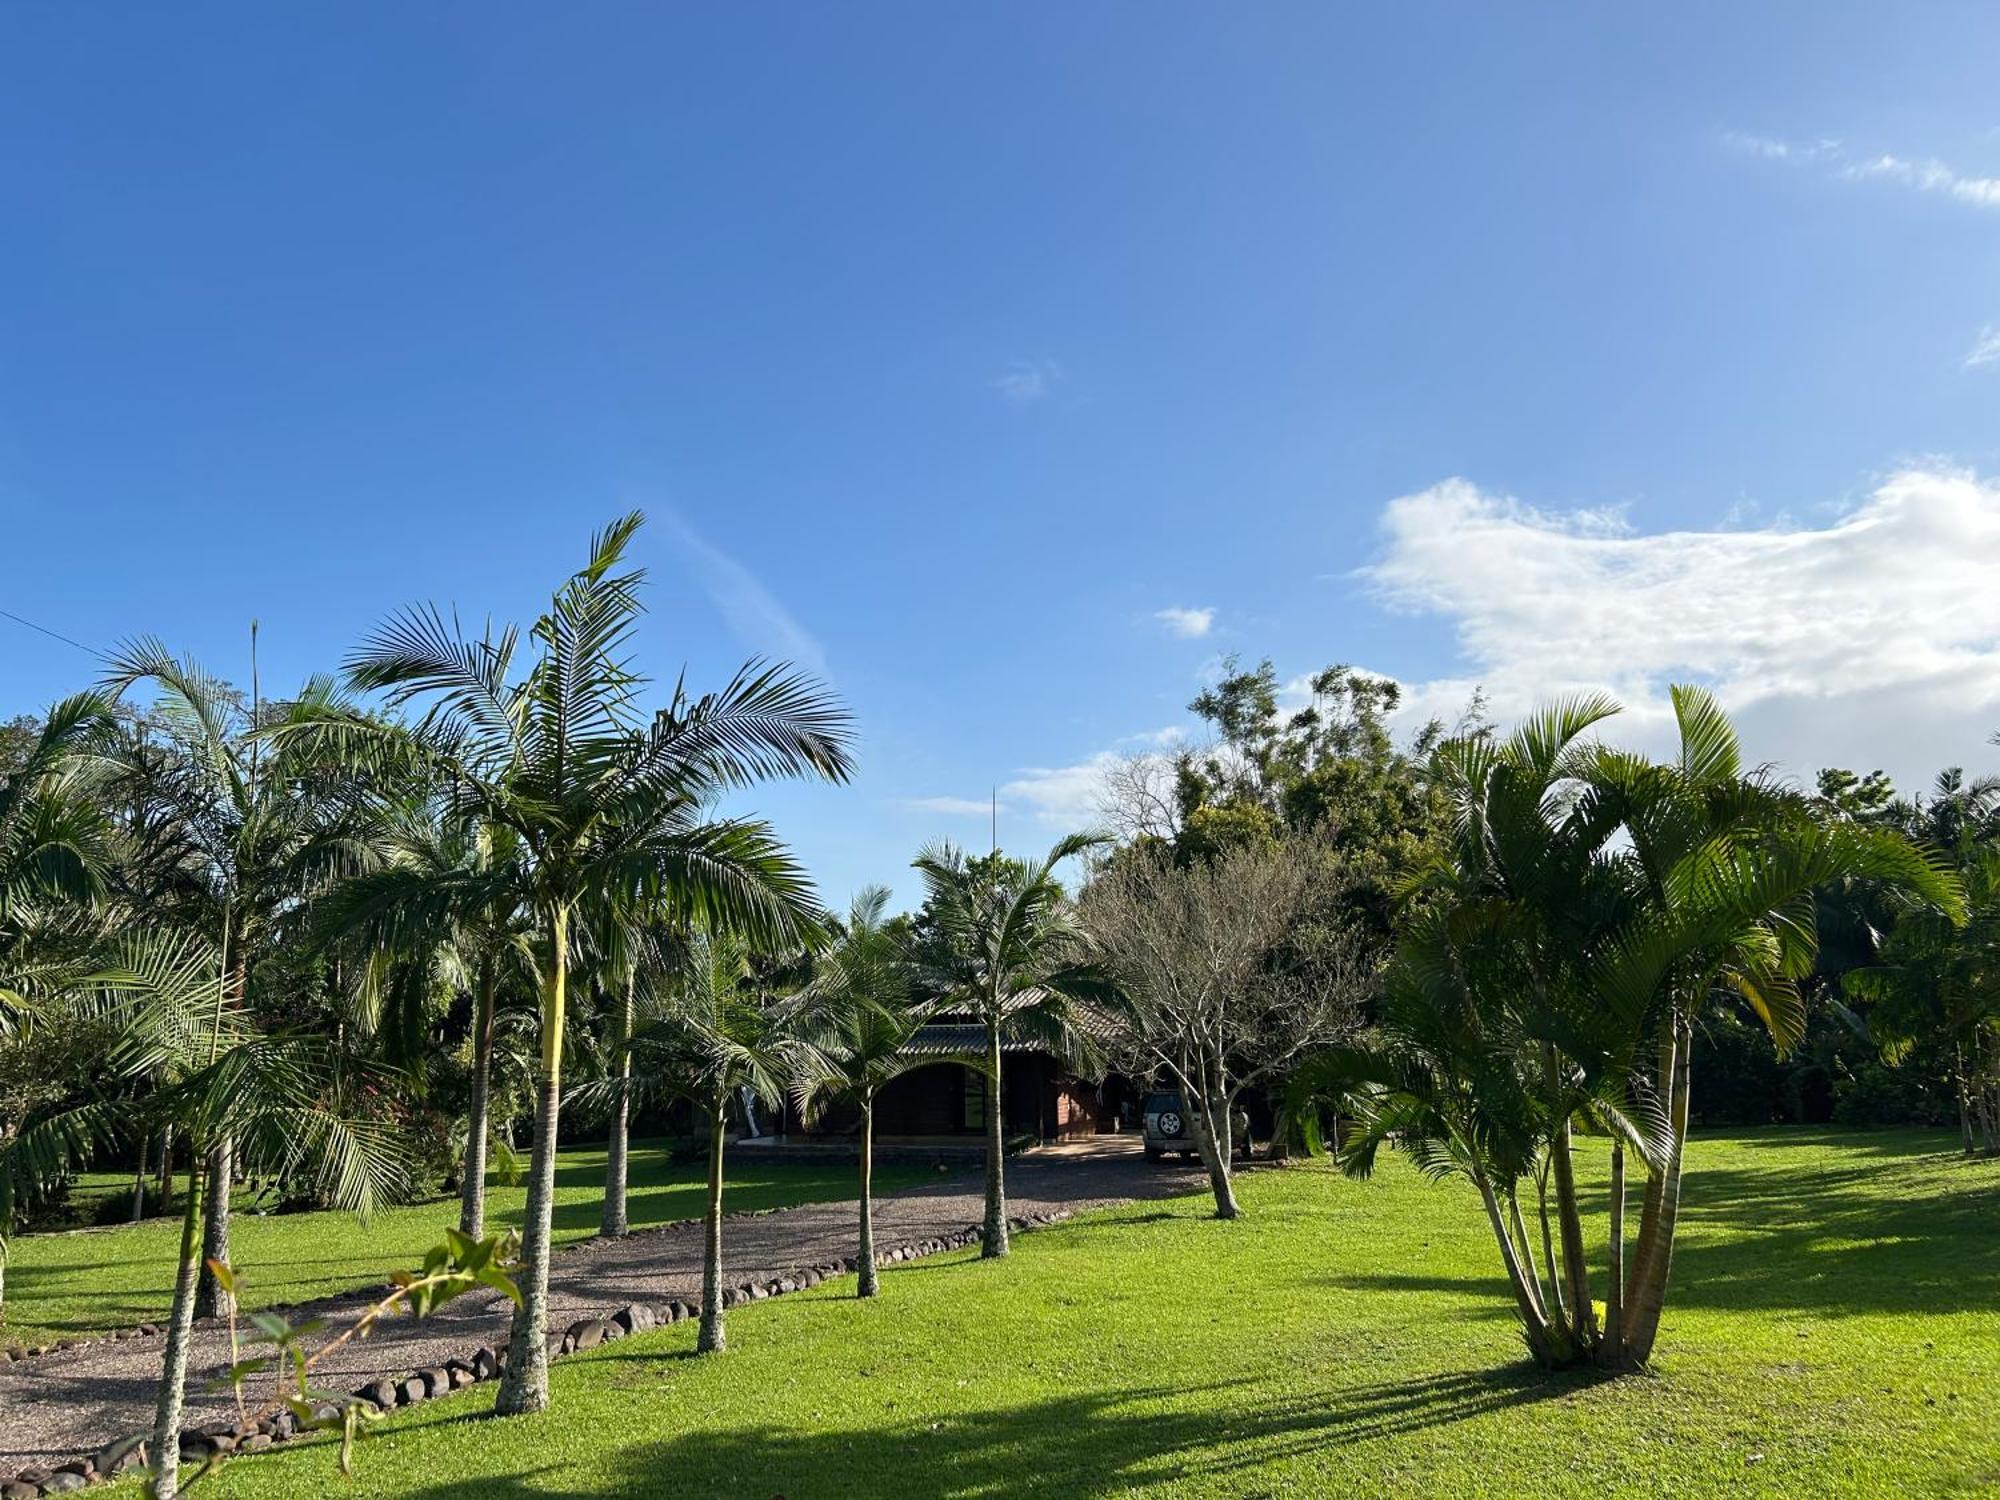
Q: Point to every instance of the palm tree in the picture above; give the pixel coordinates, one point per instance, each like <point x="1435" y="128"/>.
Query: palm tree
<point x="719" y="1039"/>
<point x="1933" y="980"/>
<point x="856" y="1023"/>
<point x="55" y="850"/>
<point x="232" y="834"/>
<point x="608" y="804"/>
<point x="182" y="1020"/>
<point x="1591" y="904"/>
<point x="1006" y="948"/>
<point x="447" y="897"/>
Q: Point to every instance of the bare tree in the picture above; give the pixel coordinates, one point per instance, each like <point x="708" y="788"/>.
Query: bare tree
<point x="1138" y="798"/>
<point x="1226" y="972"/>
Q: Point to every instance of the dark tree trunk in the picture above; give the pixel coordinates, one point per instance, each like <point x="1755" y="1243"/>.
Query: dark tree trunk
<point x="1210" y="1118"/>
<point x="139" y="1178"/>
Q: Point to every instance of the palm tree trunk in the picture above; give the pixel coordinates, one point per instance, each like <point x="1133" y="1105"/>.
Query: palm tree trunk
<point x="211" y="1298"/>
<point x="1614" y="1291"/>
<point x="472" y="1191"/>
<point x="1558" y="1303"/>
<point x="1576" y="1269"/>
<point x="139" y="1177"/>
<point x="180" y="1322"/>
<point x="1548" y="1342"/>
<point x="869" y="1283"/>
<point x="1649" y="1208"/>
<point x="1642" y="1311"/>
<point x="611" y="1221"/>
<point x="166" y="1169"/>
<point x="714" y="1338"/>
<point x="525" y="1385"/>
<point x="995" y="1242"/>
<point x="6" y="1235"/>
<point x="1526" y="1250"/>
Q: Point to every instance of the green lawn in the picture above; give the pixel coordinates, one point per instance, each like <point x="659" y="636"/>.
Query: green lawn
<point x="1834" y="1330"/>
<point x="90" y="1281"/>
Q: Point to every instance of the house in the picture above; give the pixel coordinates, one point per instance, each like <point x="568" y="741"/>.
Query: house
<point x="945" y="1103"/>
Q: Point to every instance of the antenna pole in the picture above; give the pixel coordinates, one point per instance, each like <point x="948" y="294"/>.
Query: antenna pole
<point x="996" y="820"/>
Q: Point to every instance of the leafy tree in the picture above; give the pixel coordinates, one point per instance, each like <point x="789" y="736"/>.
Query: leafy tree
<point x="1002" y="944"/>
<point x="608" y="803"/>
<point x="855" y="1026"/>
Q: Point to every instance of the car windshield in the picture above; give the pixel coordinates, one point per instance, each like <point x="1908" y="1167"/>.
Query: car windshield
<point x="1162" y="1101"/>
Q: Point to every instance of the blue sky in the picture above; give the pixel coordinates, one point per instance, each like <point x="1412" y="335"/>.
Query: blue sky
<point x="949" y="346"/>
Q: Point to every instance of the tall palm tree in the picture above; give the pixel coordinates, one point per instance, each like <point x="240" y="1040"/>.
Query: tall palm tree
<point x="54" y="853"/>
<point x="447" y="896"/>
<point x="856" y="1023"/>
<point x="233" y="834"/>
<point x="718" y="1039"/>
<point x="182" y="1020"/>
<point x="609" y="803"/>
<point x="1007" y="949"/>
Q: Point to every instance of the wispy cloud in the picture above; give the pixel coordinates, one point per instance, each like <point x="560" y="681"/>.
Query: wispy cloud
<point x="1028" y="380"/>
<point x="1985" y="349"/>
<point x="1923" y="174"/>
<point x="1771" y="148"/>
<point x="1189" y="624"/>
<point x="746" y="606"/>
<point x="1065" y="797"/>
<point x="950" y="807"/>
<point x="1872" y="640"/>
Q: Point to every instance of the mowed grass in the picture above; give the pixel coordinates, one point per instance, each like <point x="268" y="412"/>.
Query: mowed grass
<point x="80" y="1282"/>
<point x="1834" y="1330"/>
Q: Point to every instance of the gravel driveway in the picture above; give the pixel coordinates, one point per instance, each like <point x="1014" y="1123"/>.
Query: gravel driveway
<point x="71" y="1402"/>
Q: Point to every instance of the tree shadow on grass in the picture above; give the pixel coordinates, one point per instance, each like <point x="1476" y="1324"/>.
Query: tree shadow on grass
<point x="1078" y="1444"/>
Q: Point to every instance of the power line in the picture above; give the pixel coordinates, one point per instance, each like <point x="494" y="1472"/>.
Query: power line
<point x="55" y="635"/>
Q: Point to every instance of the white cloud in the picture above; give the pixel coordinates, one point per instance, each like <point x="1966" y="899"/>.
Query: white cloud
<point x="1924" y="174"/>
<point x="1065" y="797"/>
<point x="1158" y="739"/>
<point x="1870" y="641"/>
<point x="1189" y="624"/>
<point x="749" y="609"/>
<point x="1985" y="349"/>
<point x="1027" y="380"/>
<point x="950" y="807"/>
<point x="1773" y="149"/>
<point x="1930" y="176"/>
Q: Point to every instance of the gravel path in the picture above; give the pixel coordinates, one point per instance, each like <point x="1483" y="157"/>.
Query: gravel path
<point x="70" y="1403"/>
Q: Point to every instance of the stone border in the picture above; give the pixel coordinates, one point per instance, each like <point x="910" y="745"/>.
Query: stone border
<point x="21" y="1353"/>
<point x="485" y="1363"/>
